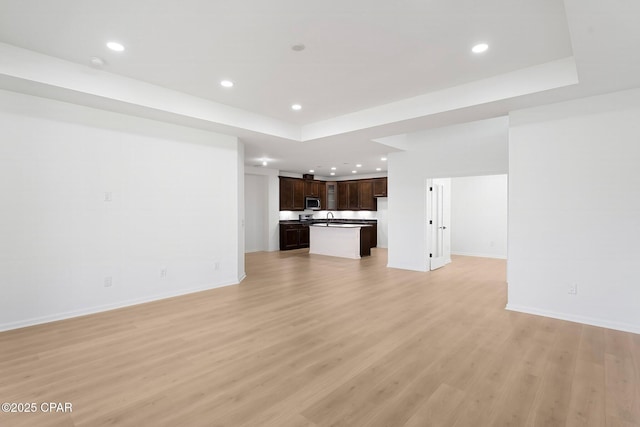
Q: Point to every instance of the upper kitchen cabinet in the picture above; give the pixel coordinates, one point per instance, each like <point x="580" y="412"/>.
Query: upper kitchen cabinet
<point x="332" y="195"/>
<point x="323" y="194"/>
<point x="366" y="201"/>
<point x="353" y="195"/>
<point x="380" y="187"/>
<point x="356" y="195"/>
<point x="312" y="188"/>
<point x="291" y="194"/>
<point x="318" y="189"/>
<point x="343" y="193"/>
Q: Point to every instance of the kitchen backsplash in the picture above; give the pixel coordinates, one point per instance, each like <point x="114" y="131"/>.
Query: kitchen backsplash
<point x="293" y="215"/>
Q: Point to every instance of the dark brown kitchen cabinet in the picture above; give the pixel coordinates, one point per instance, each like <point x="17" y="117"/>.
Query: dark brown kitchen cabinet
<point x="348" y="195"/>
<point x="294" y="236"/>
<point x="316" y="189"/>
<point x="356" y="195"/>
<point x="291" y="194"/>
<point x="366" y="201"/>
<point x="303" y="237"/>
<point x="380" y="187"/>
<point x="343" y="194"/>
<point x="353" y="196"/>
<point x="322" y="188"/>
<point x="312" y="188"/>
<point x="374" y="235"/>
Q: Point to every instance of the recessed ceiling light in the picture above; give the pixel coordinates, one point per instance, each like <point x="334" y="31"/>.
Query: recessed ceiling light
<point x="354" y="171"/>
<point x="333" y="173"/>
<point x="378" y="169"/>
<point x="333" y="168"/>
<point x="480" y="47"/>
<point x="311" y="170"/>
<point x="298" y="47"/>
<point x="264" y="163"/>
<point x="226" y="83"/>
<point x="384" y="159"/>
<point x="296" y="107"/>
<point x="358" y="165"/>
<point x="115" y="46"/>
<point x="96" y="62"/>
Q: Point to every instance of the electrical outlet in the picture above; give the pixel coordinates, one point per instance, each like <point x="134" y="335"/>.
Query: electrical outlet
<point x="108" y="281"/>
<point x="216" y="266"/>
<point x="108" y="196"/>
<point x="163" y="272"/>
<point x="573" y="289"/>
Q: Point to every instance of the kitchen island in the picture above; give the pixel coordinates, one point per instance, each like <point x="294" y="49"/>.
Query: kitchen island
<point x="340" y="240"/>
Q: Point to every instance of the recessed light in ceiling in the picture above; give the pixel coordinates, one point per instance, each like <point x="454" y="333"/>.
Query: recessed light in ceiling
<point x="264" y="163"/>
<point x="333" y="173"/>
<point x="296" y="107"/>
<point x="226" y="83"/>
<point x="354" y="171"/>
<point x="384" y="159"/>
<point x="480" y="47"/>
<point x="297" y="47"/>
<point x="115" y="46"/>
<point x="358" y="165"/>
<point x="96" y="62"/>
<point x="333" y="168"/>
<point x="311" y="171"/>
<point x="378" y="169"/>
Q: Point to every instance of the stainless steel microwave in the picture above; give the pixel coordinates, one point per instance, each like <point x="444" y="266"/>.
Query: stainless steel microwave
<point x="312" y="203"/>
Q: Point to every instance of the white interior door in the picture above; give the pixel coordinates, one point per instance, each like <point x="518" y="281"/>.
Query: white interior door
<point x="439" y="208"/>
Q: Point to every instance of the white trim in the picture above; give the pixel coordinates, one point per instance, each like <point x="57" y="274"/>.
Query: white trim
<point x="480" y="255"/>
<point x="107" y="307"/>
<point x="625" y="327"/>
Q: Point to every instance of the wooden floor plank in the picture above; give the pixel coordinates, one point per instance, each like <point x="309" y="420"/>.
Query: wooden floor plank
<point x="313" y="341"/>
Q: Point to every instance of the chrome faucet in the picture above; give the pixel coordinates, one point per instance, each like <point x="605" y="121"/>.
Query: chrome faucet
<point x="332" y="217"/>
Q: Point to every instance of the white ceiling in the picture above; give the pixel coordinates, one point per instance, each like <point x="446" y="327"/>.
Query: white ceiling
<point x="371" y="68"/>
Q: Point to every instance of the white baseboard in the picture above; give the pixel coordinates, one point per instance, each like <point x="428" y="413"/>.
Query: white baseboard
<point x="107" y="307"/>
<point x="603" y="323"/>
<point x="480" y="255"/>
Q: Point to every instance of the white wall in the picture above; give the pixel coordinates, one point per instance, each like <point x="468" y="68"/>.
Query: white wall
<point x="382" y="215"/>
<point x="574" y="210"/>
<point x="256" y="215"/>
<point x="479" y="216"/>
<point x="239" y="197"/>
<point x="171" y="208"/>
<point x="477" y="148"/>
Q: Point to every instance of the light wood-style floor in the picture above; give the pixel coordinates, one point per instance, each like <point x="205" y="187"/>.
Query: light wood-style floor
<point x="309" y="340"/>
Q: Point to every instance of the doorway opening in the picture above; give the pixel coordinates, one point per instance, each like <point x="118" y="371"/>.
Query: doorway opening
<point x="466" y="216"/>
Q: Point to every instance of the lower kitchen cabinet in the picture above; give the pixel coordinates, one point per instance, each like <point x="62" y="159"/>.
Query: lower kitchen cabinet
<point x="294" y="236"/>
<point x="374" y="235"/>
